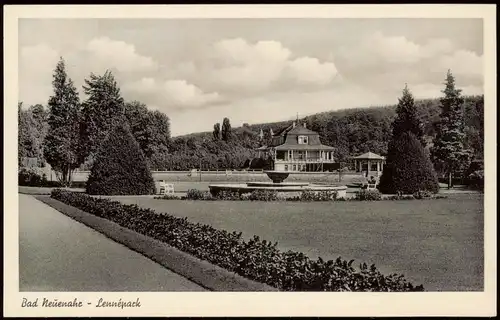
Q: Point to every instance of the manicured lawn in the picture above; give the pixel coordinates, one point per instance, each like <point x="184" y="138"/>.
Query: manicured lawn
<point x="437" y="243"/>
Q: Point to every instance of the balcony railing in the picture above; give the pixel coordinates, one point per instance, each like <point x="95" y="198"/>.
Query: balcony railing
<point x="304" y="160"/>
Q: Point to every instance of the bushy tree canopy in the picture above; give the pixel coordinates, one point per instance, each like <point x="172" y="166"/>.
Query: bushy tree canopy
<point x="408" y="168"/>
<point x="120" y="167"/>
<point x="103" y="108"/>
<point x="32" y="129"/>
<point x="151" y="129"/>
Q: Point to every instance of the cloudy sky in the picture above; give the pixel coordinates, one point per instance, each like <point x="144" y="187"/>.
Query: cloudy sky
<point x="198" y="71"/>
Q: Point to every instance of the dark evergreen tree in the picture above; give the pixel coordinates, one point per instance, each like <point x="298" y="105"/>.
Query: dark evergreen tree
<point x="216" y="132"/>
<point x="407" y="118"/>
<point x="61" y="144"/>
<point x="408" y="168"/>
<point x="103" y="108"/>
<point x="120" y="167"/>
<point x="449" y="152"/>
<point x="226" y="130"/>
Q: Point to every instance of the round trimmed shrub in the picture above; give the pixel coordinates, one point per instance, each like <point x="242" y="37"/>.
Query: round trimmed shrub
<point x="408" y="169"/>
<point x="368" y="195"/>
<point x="120" y="167"/>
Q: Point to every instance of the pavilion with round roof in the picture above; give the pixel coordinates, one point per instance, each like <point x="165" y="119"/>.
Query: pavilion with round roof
<point x="369" y="163"/>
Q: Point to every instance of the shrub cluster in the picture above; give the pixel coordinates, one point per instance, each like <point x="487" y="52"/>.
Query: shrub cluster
<point x="368" y="195"/>
<point x="255" y="259"/>
<point x="476" y="180"/>
<point x="423" y="194"/>
<point x="30" y="178"/>
<point x="257" y="195"/>
<point x="168" y="197"/>
<point x="308" y="195"/>
<point x="263" y="195"/>
<point x="305" y="196"/>
<point x="195" y="194"/>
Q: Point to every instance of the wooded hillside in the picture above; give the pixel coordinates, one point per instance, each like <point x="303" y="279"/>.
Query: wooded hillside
<point x="350" y="131"/>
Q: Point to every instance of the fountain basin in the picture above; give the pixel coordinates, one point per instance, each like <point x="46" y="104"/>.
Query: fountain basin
<point x="280" y="184"/>
<point x="277" y="176"/>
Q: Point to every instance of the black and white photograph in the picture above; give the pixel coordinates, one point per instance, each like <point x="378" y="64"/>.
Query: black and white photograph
<point x="175" y="156"/>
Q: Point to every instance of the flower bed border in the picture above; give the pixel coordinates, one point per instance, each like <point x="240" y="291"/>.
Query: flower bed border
<point x="254" y="259"/>
<point x="306" y="196"/>
<point x="201" y="272"/>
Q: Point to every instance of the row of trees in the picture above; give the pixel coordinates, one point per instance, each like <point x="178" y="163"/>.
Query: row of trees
<point x="223" y="134"/>
<point x="73" y="130"/>
<point x="409" y="168"/>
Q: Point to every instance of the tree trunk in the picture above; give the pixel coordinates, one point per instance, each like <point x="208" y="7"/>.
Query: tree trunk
<point x="70" y="176"/>
<point x="449" y="179"/>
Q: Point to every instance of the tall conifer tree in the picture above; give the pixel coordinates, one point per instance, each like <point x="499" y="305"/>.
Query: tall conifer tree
<point x="449" y="152"/>
<point x="62" y="140"/>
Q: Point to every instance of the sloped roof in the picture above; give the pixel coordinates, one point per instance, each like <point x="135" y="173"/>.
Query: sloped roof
<point x="304" y="147"/>
<point x="300" y="129"/>
<point x="262" y="148"/>
<point x="369" y="156"/>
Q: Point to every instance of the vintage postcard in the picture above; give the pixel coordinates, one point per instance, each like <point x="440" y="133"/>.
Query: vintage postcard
<point x="257" y="160"/>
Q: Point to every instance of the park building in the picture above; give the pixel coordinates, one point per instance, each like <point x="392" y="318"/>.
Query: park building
<point x="297" y="148"/>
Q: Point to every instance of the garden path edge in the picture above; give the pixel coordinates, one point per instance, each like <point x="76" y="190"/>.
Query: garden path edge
<point x="201" y="272"/>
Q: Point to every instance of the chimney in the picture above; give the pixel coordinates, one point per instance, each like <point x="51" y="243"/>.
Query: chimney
<point x="305" y="126"/>
<point x="293" y="125"/>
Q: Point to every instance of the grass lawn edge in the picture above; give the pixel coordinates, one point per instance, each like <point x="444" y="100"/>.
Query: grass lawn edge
<point x="201" y="272"/>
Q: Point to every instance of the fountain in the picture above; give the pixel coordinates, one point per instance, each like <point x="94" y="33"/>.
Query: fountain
<point x="286" y="189"/>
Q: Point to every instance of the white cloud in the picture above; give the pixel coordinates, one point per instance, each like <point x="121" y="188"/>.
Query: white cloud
<point x="239" y="67"/>
<point x="170" y="94"/>
<point x="312" y="71"/>
<point x="186" y="94"/>
<point x="396" y="49"/>
<point x="119" y="54"/>
<point x="462" y="63"/>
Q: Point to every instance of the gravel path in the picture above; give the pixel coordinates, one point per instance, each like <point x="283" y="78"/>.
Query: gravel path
<point x="57" y="253"/>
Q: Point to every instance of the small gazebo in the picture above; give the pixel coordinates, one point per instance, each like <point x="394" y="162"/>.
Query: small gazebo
<point x="369" y="162"/>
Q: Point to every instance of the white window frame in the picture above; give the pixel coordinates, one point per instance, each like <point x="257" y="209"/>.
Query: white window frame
<point x="303" y="140"/>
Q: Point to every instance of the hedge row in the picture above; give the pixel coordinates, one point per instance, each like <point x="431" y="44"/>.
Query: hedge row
<point x="30" y="178"/>
<point x="255" y="259"/>
<point x="306" y="195"/>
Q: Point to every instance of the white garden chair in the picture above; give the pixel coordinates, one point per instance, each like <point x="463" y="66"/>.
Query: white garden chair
<point x="166" y="188"/>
